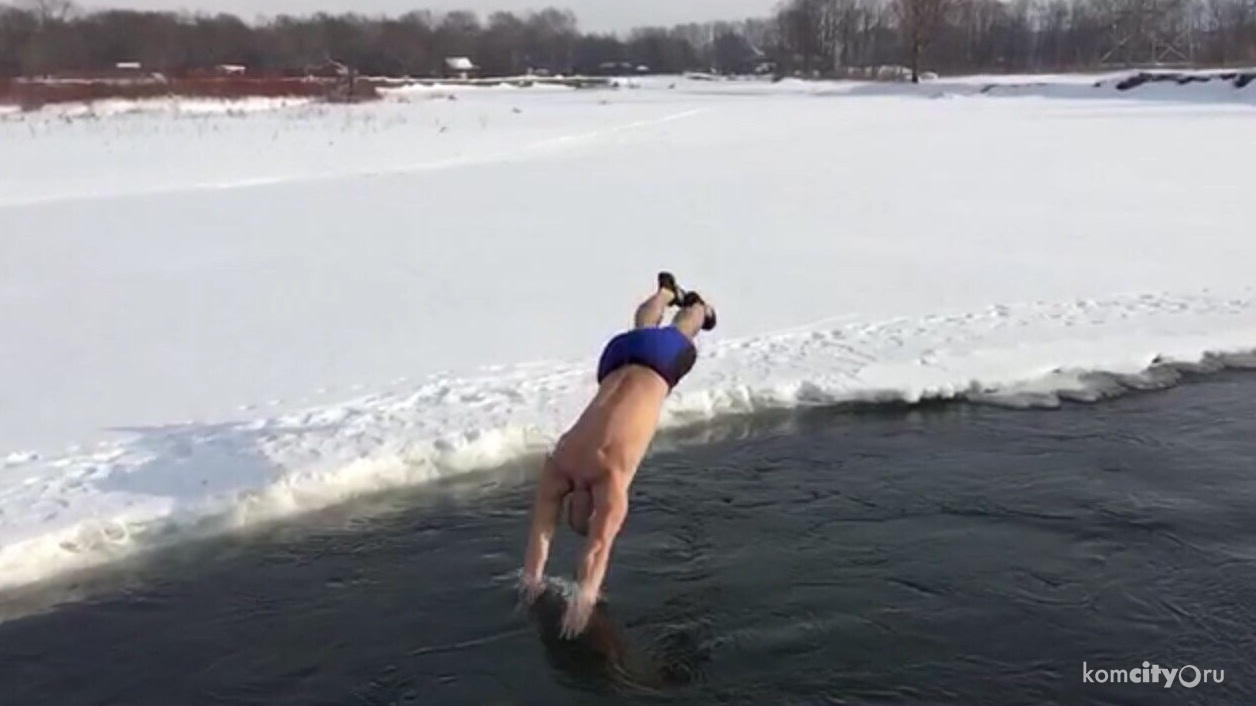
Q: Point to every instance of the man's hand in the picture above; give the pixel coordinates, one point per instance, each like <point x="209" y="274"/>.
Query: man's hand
<point x="576" y="618"/>
<point x="531" y="588"/>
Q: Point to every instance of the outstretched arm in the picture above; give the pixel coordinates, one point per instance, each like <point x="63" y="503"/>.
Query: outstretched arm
<point x="546" y="508"/>
<point x="611" y="501"/>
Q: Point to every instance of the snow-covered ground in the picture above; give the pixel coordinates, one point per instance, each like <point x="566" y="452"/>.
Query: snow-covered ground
<point x="209" y="318"/>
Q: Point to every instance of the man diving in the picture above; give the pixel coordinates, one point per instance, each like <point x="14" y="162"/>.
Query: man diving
<point x="592" y="465"/>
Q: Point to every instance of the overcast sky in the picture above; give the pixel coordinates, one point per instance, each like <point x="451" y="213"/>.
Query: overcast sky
<point x="593" y="14"/>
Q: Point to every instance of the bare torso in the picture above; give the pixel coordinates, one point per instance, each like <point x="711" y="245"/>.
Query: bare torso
<point x="615" y="430"/>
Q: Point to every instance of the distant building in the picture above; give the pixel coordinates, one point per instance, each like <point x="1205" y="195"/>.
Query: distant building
<point x="619" y="68"/>
<point x="460" y="67"/>
<point x="327" y="69"/>
<point x="126" y="72"/>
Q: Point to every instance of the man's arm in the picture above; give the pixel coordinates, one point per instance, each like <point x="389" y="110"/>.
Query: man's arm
<point x="611" y="503"/>
<point x="546" y="508"/>
<point x="612" y="507"/>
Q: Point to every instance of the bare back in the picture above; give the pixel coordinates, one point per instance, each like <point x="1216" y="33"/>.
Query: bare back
<point x="615" y="430"/>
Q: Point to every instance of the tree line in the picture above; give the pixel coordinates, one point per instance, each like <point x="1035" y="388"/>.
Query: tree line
<point x="40" y="37"/>
<point x="956" y="36"/>
<point x="807" y="37"/>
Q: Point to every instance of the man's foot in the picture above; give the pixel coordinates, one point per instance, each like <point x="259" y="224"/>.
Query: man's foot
<point x="694" y="299"/>
<point x="668" y="281"/>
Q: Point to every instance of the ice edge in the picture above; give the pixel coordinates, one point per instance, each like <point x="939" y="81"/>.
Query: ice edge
<point x="401" y="464"/>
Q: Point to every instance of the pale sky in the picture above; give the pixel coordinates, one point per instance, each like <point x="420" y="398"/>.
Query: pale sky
<point x="597" y="15"/>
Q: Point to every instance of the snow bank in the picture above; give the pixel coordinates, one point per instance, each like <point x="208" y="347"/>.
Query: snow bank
<point x="1156" y="86"/>
<point x="441" y="89"/>
<point x="1210" y="86"/>
<point x="104" y="150"/>
<point x="170" y="483"/>
<point x="172" y="106"/>
<point x="1194" y="87"/>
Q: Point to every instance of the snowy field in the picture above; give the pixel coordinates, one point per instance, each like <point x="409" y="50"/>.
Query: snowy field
<point x="213" y="315"/>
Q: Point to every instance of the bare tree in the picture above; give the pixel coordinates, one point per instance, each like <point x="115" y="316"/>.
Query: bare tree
<point x="919" y="22"/>
<point x="48" y="10"/>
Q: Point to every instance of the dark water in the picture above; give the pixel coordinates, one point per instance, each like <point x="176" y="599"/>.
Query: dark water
<point x="963" y="555"/>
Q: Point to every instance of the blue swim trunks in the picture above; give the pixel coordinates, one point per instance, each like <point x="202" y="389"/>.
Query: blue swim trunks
<point x="664" y="350"/>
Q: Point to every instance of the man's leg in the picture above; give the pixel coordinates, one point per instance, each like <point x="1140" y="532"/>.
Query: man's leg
<point x="694" y="316"/>
<point x="650" y="313"/>
<point x="689" y="320"/>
